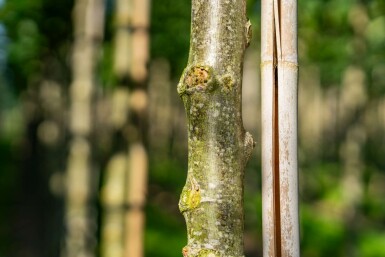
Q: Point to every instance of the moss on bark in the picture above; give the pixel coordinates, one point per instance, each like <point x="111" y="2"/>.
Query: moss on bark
<point x="219" y="147"/>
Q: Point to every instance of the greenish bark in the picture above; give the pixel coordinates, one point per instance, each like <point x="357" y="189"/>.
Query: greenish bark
<point x="219" y="147"/>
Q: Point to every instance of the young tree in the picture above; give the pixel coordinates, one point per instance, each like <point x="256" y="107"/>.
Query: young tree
<point x="279" y="128"/>
<point x="210" y="87"/>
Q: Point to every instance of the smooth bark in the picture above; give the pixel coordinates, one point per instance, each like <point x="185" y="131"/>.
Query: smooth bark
<point x="219" y="147"/>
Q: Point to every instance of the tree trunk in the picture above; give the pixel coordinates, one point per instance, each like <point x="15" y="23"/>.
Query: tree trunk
<point x="210" y="87"/>
<point x="279" y="128"/>
<point x="88" y="18"/>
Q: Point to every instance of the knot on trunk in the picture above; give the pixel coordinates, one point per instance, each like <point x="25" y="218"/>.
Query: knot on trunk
<point x="188" y="252"/>
<point x="197" y="78"/>
<point x="227" y="83"/>
<point x="190" y="197"/>
<point x="248" y="33"/>
<point x="208" y="253"/>
<point x="249" y="145"/>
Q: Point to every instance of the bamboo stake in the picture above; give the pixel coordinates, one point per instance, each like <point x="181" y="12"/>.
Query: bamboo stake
<point x="279" y="130"/>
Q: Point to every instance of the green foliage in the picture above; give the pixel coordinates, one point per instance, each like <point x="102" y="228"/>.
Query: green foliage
<point x="38" y="31"/>
<point x="321" y="236"/>
<point x="163" y="233"/>
<point x="321" y="179"/>
<point x="170" y="32"/>
<point x="324" y="25"/>
<point x="168" y="174"/>
<point x="372" y="244"/>
<point x="328" y="30"/>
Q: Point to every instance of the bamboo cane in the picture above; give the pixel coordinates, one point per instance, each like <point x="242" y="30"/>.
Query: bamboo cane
<point x="279" y="67"/>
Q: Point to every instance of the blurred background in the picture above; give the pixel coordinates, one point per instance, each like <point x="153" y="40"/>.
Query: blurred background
<point x="88" y="94"/>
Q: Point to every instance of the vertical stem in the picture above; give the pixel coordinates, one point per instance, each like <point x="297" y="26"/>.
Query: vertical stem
<point x="267" y="97"/>
<point x="210" y="87"/>
<point x="276" y="175"/>
<point x="279" y="137"/>
<point x="287" y="108"/>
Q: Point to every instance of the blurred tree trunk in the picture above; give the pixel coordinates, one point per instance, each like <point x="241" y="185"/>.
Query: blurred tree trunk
<point x="112" y="199"/>
<point x="88" y="17"/>
<point x="137" y="153"/>
<point x="279" y="128"/>
<point x="160" y="110"/>
<point x="135" y="197"/>
<point x="127" y="170"/>
<point x="114" y="184"/>
<point x="210" y="87"/>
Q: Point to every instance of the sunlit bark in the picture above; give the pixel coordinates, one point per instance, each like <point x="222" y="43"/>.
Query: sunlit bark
<point x="219" y="147"/>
